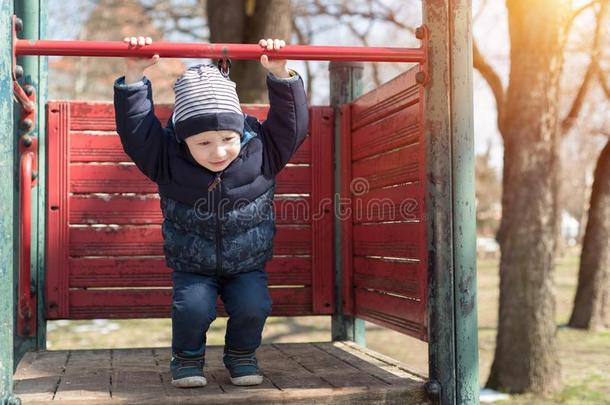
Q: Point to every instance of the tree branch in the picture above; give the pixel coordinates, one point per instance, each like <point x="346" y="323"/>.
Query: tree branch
<point x="568" y="122"/>
<point x="601" y="75"/>
<point x="493" y="80"/>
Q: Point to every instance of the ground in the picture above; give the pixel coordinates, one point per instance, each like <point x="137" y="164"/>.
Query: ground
<point x="585" y="356"/>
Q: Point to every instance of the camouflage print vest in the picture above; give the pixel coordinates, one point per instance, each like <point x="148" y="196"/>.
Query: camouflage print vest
<point x="221" y="241"/>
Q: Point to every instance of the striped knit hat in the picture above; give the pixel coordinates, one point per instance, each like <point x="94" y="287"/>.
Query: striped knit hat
<point x="205" y="101"/>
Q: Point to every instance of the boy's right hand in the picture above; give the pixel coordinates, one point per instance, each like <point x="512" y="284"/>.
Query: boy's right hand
<point x="135" y="66"/>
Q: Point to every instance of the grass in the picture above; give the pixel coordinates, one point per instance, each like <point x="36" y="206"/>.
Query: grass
<point x="585" y="356"/>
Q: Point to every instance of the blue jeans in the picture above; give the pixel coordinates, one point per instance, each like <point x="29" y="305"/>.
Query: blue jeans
<point x="246" y="301"/>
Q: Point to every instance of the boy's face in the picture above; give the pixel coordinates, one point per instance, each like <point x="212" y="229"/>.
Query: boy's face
<point x="214" y="150"/>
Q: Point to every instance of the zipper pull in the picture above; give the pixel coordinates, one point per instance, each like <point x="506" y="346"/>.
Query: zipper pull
<point x="214" y="183"/>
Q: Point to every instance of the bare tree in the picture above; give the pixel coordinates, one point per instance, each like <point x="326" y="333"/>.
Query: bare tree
<point x="528" y="119"/>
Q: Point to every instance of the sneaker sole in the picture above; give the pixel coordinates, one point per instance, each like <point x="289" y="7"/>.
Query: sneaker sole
<point x="190" y="382"/>
<point x="247" y="380"/>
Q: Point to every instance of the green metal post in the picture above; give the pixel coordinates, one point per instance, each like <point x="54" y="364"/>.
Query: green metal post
<point x="345" y="86"/>
<point x="464" y="209"/>
<point x="33" y="15"/>
<point x="7" y="207"/>
<point x="453" y="349"/>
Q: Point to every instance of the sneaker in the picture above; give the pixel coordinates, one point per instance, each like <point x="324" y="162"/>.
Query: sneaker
<point x="243" y="367"/>
<point x="187" y="372"/>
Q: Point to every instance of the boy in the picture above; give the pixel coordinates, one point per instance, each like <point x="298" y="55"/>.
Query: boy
<point x="215" y="168"/>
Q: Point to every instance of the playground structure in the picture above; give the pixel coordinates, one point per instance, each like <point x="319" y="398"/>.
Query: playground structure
<point x="410" y="140"/>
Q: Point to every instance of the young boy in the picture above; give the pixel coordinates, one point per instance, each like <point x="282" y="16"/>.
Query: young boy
<point x="215" y="168"/>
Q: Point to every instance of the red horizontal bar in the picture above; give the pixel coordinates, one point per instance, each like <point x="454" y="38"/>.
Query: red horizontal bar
<point x="232" y="51"/>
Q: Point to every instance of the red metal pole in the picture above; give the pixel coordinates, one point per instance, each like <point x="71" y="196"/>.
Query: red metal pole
<point x="217" y="51"/>
<point x="26" y="314"/>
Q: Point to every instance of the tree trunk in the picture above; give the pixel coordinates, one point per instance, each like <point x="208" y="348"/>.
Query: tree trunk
<point x="526" y="358"/>
<point x="591" y="302"/>
<point x="247" y="22"/>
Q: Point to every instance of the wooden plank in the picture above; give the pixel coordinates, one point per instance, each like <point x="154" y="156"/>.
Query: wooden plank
<point x="127" y="178"/>
<point x="396" y="167"/>
<point x="156" y="303"/>
<point x="401" y="203"/>
<point x="401" y="128"/>
<point x="152" y="272"/>
<point x="397" y="94"/>
<point x="145" y="210"/>
<point x="113" y="209"/>
<point x="397" y="313"/>
<point x="109" y="178"/>
<point x="58" y="209"/>
<point x="402" y="278"/>
<point x="105" y="146"/>
<point x="294" y="179"/>
<point x="400" y="240"/>
<point x="148" y="241"/>
<point x="322" y="225"/>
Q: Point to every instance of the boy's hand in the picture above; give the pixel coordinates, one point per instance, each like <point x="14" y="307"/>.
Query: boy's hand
<point x="276" y="66"/>
<point x="135" y="66"/>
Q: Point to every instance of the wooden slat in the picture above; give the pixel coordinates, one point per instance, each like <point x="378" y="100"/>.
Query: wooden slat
<point x="152" y="272"/>
<point x="145" y="210"/>
<point x="401" y="278"/>
<point x="396" y="167"/>
<point x="88" y="147"/>
<point x="113" y="209"/>
<point x="400" y="203"/>
<point x="294" y="179"/>
<point x="111" y="178"/>
<point x="156" y="303"/>
<point x="402" y="240"/>
<point x="400" y="314"/>
<point x="58" y="208"/>
<point x="148" y="241"/>
<point x="392" y="96"/>
<point x="403" y="127"/>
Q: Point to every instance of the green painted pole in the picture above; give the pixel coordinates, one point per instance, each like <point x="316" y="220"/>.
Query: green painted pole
<point x="464" y="209"/>
<point x="33" y="15"/>
<point x="7" y="207"/>
<point x="345" y="86"/>
<point x="453" y="345"/>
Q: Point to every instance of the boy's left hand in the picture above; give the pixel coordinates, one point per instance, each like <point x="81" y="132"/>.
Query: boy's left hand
<point x="276" y="66"/>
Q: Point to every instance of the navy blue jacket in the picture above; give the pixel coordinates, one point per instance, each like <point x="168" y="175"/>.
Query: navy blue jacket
<point x="229" y="229"/>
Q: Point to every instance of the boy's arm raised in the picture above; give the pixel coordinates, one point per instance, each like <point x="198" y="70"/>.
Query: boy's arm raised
<point x="142" y="136"/>
<point x="287" y="122"/>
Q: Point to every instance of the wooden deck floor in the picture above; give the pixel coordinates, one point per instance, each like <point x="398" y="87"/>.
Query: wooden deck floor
<point x="295" y="373"/>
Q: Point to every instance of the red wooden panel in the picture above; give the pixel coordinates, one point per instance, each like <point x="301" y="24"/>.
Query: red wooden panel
<point x="88" y="147"/>
<point x="391" y="276"/>
<point x="293" y="210"/>
<point x="345" y="212"/>
<point x="96" y="178"/>
<point x="400" y="203"/>
<point x="402" y="240"/>
<point x="401" y="128"/>
<point x="148" y="241"/>
<point x="385" y="189"/>
<point x="96" y="147"/>
<point x="151" y="303"/>
<point x="151" y="272"/>
<point x="145" y="210"/>
<point x="401" y="314"/>
<point x="113" y="209"/>
<point x="396" y="167"/>
<point x="294" y="180"/>
<point x="111" y="178"/>
<point x="322" y="208"/>
<point x="395" y="95"/>
<point x="58" y="209"/>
